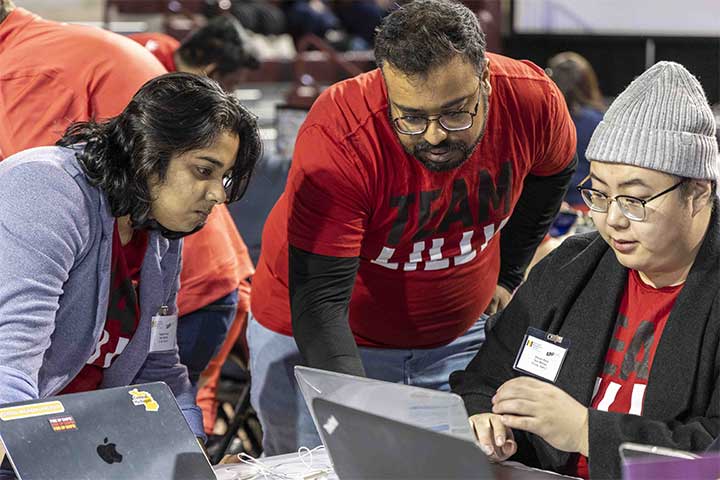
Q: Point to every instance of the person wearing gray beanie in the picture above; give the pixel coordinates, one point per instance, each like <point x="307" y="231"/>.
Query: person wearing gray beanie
<point x="632" y="311"/>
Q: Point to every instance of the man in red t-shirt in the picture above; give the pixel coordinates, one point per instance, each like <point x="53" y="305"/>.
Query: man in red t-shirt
<point x="388" y="234"/>
<point x="220" y="49"/>
<point x="632" y="308"/>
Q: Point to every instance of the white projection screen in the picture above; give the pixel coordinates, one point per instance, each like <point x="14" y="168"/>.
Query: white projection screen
<point x="678" y="18"/>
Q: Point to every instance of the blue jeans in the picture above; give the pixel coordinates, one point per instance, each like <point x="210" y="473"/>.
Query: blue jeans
<point x="275" y="396"/>
<point x="201" y="333"/>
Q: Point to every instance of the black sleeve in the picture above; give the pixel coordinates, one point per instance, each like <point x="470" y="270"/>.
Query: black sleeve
<point x="535" y="211"/>
<point x="320" y="289"/>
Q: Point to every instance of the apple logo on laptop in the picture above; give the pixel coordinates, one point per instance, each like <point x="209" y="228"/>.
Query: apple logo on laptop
<point x="108" y="452"/>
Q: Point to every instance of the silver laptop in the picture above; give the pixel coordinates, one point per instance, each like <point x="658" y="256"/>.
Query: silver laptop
<point x="135" y="432"/>
<point x="366" y="446"/>
<point x="440" y="412"/>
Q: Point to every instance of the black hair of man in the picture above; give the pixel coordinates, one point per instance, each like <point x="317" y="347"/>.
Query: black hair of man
<point x="170" y="115"/>
<point x="223" y="42"/>
<point x="423" y="35"/>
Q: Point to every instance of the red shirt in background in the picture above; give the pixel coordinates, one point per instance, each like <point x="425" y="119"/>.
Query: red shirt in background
<point x="161" y="45"/>
<point x="642" y="316"/>
<point x="428" y="241"/>
<point x="52" y="74"/>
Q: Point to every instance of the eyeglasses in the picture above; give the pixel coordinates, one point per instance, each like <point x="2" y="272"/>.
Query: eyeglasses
<point x="450" y="122"/>
<point x="632" y="207"/>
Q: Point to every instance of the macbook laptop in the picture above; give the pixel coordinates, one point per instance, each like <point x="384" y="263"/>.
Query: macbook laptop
<point x="368" y="446"/>
<point x="135" y="432"/>
<point x="441" y="412"/>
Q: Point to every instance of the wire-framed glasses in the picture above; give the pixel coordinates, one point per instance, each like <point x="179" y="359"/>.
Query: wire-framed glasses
<point x="632" y="207"/>
<point x="450" y="121"/>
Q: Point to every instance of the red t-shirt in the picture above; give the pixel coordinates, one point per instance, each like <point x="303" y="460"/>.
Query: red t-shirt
<point x="642" y="316"/>
<point x="161" y="45"/>
<point x="427" y="241"/>
<point x="52" y="74"/>
<point x="123" y="311"/>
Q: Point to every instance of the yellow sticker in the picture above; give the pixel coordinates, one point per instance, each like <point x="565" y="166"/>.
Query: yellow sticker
<point x="144" y="398"/>
<point x="33" y="410"/>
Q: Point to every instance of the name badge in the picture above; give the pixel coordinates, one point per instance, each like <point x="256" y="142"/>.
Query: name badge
<point x="542" y="354"/>
<point x="163" y="331"/>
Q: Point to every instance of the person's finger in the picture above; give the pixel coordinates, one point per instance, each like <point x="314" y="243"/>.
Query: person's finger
<point x="524" y="388"/>
<point x="492" y="307"/>
<point x="483" y="432"/>
<point x="498" y="431"/>
<point x="515" y="406"/>
<point x="509" y="448"/>
<point x="527" y="424"/>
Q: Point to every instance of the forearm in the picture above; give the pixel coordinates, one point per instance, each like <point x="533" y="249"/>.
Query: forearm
<point x="535" y="211"/>
<point x="320" y="290"/>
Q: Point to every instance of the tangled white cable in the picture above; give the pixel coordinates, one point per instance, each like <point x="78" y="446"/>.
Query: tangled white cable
<point x="287" y="470"/>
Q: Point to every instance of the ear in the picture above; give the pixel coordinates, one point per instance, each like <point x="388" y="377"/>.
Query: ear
<point x="485" y="79"/>
<point x="701" y="195"/>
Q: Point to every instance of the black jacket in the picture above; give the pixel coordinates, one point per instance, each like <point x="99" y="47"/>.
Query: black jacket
<point x="576" y="292"/>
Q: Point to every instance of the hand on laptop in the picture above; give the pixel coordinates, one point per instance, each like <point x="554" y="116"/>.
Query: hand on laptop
<point x="494" y="438"/>
<point x="541" y="408"/>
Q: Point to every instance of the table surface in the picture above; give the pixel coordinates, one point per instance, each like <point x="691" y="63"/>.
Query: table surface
<point x="293" y="465"/>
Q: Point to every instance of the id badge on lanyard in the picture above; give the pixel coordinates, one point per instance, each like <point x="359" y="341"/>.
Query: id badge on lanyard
<point x="163" y="331"/>
<point x="541" y="354"/>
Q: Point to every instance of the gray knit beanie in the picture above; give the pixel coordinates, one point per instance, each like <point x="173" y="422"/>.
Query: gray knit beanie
<point x="662" y="121"/>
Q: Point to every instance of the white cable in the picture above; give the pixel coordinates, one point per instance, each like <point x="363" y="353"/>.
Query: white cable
<point x="274" y="472"/>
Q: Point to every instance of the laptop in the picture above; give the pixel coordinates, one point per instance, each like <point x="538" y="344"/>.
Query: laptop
<point x="368" y="446"/>
<point x="434" y="410"/>
<point x="134" y="432"/>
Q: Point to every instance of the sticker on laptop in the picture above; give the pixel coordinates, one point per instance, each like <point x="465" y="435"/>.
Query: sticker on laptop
<point x="60" y="424"/>
<point x="140" y="397"/>
<point x="33" y="410"/>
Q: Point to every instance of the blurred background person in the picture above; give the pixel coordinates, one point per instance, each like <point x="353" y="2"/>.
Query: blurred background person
<point x="221" y="50"/>
<point x="578" y="82"/>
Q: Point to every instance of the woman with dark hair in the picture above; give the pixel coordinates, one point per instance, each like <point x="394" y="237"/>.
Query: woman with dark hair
<point x="578" y="82"/>
<point x="89" y="232"/>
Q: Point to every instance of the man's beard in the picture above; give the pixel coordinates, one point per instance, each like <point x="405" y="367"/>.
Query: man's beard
<point x="465" y="150"/>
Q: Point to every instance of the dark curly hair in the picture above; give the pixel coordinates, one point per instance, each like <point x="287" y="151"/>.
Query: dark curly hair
<point x="170" y="115"/>
<point x="425" y="34"/>
<point x="222" y="41"/>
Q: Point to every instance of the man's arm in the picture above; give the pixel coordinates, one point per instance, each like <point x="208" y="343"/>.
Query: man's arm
<point x="320" y="290"/>
<point x="535" y="211"/>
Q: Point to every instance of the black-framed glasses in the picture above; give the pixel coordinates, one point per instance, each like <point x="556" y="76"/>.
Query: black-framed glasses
<point x="632" y="207"/>
<point x="450" y="121"/>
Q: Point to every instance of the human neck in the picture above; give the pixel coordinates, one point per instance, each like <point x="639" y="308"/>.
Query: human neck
<point x="125" y="229"/>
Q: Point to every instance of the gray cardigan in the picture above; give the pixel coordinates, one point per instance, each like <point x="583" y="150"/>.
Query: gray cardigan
<point x="55" y="251"/>
<point x="576" y="292"/>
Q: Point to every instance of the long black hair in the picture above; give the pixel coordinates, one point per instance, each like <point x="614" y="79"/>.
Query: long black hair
<point x="170" y="115"/>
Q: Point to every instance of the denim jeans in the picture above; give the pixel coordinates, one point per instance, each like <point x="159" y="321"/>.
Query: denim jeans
<point x="286" y="421"/>
<point x="201" y="333"/>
